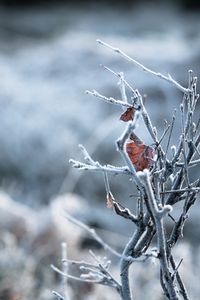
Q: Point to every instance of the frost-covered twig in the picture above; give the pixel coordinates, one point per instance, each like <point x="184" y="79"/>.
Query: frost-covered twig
<point x="182" y="287"/>
<point x="119" y="75"/>
<point x="104" y="270"/>
<point x="97" y="238"/>
<point x="100" y="168"/>
<point x="124" y="267"/>
<point x="158" y="214"/>
<point x="65" y="270"/>
<point x="89" y="280"/>
<point x="59" y="297"/>
<point x="147" y="119"/>
<point x="170" y="133"/>
<point x="184" y="132"/>
<point x="135" y="62"/>
<point x="65" y="294"/>
<point x="122" y="87"/>
<point x="93" y="233"/>
<point x="109" y="100"/>
<point x="92" y="273"/>
<point x="194" y="189"/>
<point x="96" y="166"/>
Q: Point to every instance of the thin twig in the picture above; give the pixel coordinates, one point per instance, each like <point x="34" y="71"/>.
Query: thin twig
<point x="135" y="62"/>
<point x="180" y="282"/>
<point x="93" y="233"/>
<point x="194" y="189"/>
<point x="109" y="100"/>
<point x="184" y="147"/>
<point x="74" y="277"/>
<point x="106" y="273"/>
<point x="158" y="215"/>
<point x="100" y="168"/>
<point x="191" y="164"/>
<point x="122" y="87"/>
<point x="177" y="267"/>
<point x="147" y="119"/>
<point x="59" y="297"/>
<point x="97" y="238"/>
<point x="170" y="133"/>
<point x="164" y="134"/>
<point x="122" y="79"/>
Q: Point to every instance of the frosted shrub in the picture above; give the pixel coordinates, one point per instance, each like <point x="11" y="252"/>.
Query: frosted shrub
<point x="162" y="177"/>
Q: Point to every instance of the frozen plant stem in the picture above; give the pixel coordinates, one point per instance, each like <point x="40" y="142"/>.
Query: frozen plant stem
<point x="97" y="238"/>
<point x="110" y="100"/>
<point x="124" y="266"/>
<point x="122" y="87"/>
<point x="158" y="215"/>
<point x="65" y="270"/>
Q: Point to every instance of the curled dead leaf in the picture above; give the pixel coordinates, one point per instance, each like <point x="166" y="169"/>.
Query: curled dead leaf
<point x="128" y="114"/>
<point x="141" y="156"/>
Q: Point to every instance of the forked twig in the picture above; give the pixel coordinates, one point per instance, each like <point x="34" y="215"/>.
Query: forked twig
<point x="135" y="62"/>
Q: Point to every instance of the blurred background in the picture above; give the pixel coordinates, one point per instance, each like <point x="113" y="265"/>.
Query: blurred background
<point x="48" y="58"/>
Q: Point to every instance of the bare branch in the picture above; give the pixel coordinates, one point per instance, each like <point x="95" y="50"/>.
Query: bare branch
<point x="124" y="267"/>
<point x="176" y="268"/>
<point x="158" y="214"/>
<point x="108" y="278"/>
<point x="170" y="133"/>
<point x="124" y="212"/>
<point x="135" y="62"/>
<point x="99" y="168"/>
<point x="93" y="233"/>
<point x="65" y="270"/>
<point x="178" y="151"/>
<point x="74" y="277"/>
<point x="122" y="79"/>
<point x="122" y="87"/>
<point x="184" y="147"/>
<point x="180" y="282"/>
<point x="109" y="100"/>
<point x="59" y="297"/>
<point x="147" y="119"/>
<point x="97" y="238"/>
<point x="164" y="134"/>
<point x="194" y="189"/>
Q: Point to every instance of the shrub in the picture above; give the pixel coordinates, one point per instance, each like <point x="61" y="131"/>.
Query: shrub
<point x="163" y="179"/>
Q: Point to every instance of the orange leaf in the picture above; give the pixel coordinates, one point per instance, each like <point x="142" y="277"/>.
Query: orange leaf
<point x="110" y="199"/>
<point x="141" y="156"/>
<point x="128" y="114"/>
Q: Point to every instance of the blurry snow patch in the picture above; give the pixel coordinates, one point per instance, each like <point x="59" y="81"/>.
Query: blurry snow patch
<point x="25" y="259"/>
<point x="16" y="218"/>
<point x="17" y="270"/>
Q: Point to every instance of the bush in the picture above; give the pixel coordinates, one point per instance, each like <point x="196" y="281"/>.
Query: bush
<point x="162" y="177"/>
